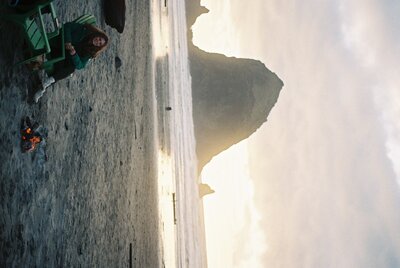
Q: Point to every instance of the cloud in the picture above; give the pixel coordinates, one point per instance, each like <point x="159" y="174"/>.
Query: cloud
<point x="248" y="253"/>
<point x="219" y="22"/>
<point x="326" y="186"/>
<point x="372" y="33"/>
<point x="231" y="216"/>
<point x="325" y="164"/>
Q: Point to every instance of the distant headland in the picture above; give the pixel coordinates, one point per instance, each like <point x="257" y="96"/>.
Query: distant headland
<point x="232" y="97"/>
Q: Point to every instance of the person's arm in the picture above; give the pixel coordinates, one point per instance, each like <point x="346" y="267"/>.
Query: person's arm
<point x="71" y="28"/>
<point x="79" y="62"/>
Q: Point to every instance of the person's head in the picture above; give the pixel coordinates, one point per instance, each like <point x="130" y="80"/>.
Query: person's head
<point x="99" y="41"/>
<point x="95" y="42"/>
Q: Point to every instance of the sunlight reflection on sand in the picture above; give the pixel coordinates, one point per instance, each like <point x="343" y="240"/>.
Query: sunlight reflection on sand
<point x="166" y="190"/>
<point x="160" y="30"/>
<point x="166" y="183"/>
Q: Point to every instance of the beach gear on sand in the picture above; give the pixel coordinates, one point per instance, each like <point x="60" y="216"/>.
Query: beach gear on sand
<point x="40" y="39"/>
<point x="114" y="14"/>
<point x="44" y="41"/>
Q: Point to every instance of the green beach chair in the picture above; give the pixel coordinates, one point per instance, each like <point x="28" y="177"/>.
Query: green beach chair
<point x="37" y="38"/>
<point x="86" y="19"/>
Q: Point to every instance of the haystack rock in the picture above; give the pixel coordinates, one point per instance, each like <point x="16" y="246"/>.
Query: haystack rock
<point x="205" y="189"/>
<point x="232" y="97"/>
<point x="114" y="11"/>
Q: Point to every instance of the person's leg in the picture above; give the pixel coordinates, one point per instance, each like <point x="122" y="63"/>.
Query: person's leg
<point x="62" y="70"/>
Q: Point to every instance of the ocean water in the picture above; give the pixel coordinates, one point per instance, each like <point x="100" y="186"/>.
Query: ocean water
<point x="180" y="208"/>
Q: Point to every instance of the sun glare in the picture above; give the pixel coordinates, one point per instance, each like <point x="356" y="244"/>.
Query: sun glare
<point x="166" y="192"/>
<point x="215" y="31"/>
<point x="231" y="210"/>
<point x="160" y="31"/>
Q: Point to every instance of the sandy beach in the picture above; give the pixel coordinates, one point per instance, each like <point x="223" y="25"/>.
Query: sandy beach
<point x="81" y="199"/>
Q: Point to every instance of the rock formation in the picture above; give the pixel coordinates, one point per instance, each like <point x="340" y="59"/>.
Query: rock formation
<point x="231" y="97"/>
<point x="193" y="11"/>
<point x="114" y="11"/>
<point x="205" y="189"/>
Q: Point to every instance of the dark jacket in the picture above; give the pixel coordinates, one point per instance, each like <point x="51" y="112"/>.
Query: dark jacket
<point x="75" y="33"/>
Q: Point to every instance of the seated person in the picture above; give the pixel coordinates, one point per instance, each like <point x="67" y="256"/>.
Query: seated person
<point x="82" y="43"/>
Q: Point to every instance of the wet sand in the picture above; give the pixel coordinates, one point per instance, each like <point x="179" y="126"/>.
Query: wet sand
<point x="96" y="193"/>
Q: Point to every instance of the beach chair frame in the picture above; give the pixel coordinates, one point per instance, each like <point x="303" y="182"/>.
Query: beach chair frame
<point x="38" y="39"/>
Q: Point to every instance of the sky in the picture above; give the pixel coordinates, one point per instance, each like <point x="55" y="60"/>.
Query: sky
<point x="318" y="184"/>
